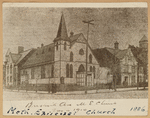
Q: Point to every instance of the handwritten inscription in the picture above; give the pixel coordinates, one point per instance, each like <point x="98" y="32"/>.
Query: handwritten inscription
<point x="142" y="109"/>
<point x="41" y="112"/>
<point x="91" y="112"/>
<point x="104" y="102"/>
<point x="78" y="108"/>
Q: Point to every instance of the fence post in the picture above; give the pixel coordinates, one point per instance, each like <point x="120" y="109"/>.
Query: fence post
<point x="36" y="85"/>
<point x="49" y="86"/>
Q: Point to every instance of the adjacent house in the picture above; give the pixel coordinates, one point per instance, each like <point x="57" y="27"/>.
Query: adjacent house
<point x="122" y="63"/>
<point x="141" y="54"/>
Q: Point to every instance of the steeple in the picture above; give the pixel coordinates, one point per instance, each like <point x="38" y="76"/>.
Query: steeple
<point x="62" y="30"/>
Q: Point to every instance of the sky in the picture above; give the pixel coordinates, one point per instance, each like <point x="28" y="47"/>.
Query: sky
<point x="32" y="26"/>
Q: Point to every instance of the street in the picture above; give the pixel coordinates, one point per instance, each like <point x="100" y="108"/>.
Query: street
<point x="9" y="95"/>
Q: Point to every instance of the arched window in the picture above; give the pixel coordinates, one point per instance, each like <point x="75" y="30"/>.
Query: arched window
<point x="57" y="46"/>
<point x="71" y="71"/>
<point x="90" y="58"/>
<point x="65" y="46"/>
<point x="81" y="52"/>
<point x="67" y="70"/>
<point x="71" y="56"/>
<point x="52" y="71"/>
<point x="90" y="68"/>
<point x="81" y="68"/>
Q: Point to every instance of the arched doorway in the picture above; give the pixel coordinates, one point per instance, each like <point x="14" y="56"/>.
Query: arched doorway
<point x="80" y="76"/>
<point x="81" y="68"/>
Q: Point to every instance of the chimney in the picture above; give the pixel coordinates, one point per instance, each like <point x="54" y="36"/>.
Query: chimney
<point x="20" y="49"/>
<point x="116" y="45"/>
<point x="71" y="34"/>
<point x="42" y="45"/>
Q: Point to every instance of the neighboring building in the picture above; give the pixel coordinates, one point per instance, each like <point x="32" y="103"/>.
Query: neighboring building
<point x="62" y="62"/>
<point x="4" y="74"/>
<point x="12" y="64"/>
<point x="122" y="63"/>
<point x="141" y="54"/>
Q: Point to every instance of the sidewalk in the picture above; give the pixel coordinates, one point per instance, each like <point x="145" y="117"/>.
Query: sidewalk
<point x="83" y="92"/>
<point x="99" y="91"/>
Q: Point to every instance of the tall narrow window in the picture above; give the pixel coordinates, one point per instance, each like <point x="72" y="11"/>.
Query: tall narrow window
<point x="57" y="46"/>
<point x="94" y="71"/>
<point x="65" y="46"/>
<point x="90" y="68"/>
<point x="90" y="58"/>
<point x="71" y="56"/>
<point x="32" y="73"/>
<point x="7" y="69"/>
<point x="133" y="69"/>
<point x="10" y="78"/>
<point x="42" y="72"/>
<point x="52" y="71"/>
<point x="11" y="69"/>
<point x="43" y="51"/>
<point x="7" y="79"/>
<point x="71" y="71"/>
<point x="14" y="73"/>
<point x="67" y="70"/>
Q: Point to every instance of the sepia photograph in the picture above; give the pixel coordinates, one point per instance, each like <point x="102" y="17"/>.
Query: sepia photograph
<point x="74" y="53"/>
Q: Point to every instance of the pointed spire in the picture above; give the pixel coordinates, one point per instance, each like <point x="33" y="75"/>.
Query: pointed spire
<point x="62" y="30"/>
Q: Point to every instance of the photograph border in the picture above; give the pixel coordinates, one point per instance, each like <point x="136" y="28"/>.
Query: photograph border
<point x="64" y="1"/>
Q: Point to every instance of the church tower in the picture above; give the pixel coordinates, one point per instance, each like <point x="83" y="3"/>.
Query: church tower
<point x="62" y="45"/>
<point x="143" y="43"/>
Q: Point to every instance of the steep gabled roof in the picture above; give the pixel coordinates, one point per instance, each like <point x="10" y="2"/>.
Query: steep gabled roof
<point x="22" y="55"/>
<point x="106" y="56"/>
<point x="117" y="52"/>
<point x="15" y="57"/>
<point x="8" y="51"/>
<point x="41" y="55"/>
<point x="74" y="37"/>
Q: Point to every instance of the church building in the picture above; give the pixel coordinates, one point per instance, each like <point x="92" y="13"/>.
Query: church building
<point x="61" y="62"/>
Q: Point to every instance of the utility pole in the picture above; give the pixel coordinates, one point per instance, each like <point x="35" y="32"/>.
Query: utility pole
<point x="115" y="71"/>
<point x="89" y="23"/>
<point x="138" y="76"/>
